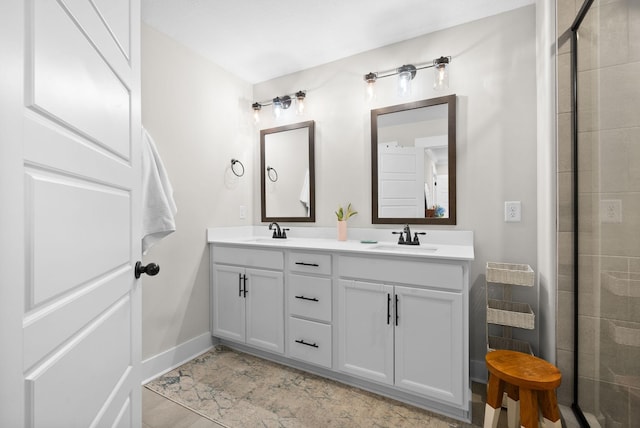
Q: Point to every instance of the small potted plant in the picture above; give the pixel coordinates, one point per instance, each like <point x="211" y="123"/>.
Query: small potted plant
<point x="342" y="217"/>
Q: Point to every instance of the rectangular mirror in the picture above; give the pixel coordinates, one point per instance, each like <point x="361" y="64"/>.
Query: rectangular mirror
<point x="413" y="162"/>
<point x="287" y="171"/>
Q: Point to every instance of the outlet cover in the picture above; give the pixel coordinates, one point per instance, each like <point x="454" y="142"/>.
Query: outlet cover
<point x="512" y="211"/>
<point x="611" y="211"/>
<point x="243" y="212"/>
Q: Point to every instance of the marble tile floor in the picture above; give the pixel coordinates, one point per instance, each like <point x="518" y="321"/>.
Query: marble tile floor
<point x="162" y="412"/>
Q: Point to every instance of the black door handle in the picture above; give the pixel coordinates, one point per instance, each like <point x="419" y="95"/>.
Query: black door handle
<point x="151" y="269"/>
<point x="388" y="308"/>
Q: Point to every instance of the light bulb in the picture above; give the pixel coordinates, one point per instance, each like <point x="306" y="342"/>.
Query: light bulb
<point x="300" y="102"/>
<point x="256" y="112"/>
<point x="370" y="91"/>
<point x="441" y="73"/>
<point x="277" y="107"/>
<point x="405" y="74"/>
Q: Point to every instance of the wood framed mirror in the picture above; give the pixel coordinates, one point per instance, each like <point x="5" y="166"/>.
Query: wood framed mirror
<point x="413" y="162"/>
<point x="287" y="173"/>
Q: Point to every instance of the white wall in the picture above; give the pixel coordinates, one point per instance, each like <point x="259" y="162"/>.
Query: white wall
<point x="194" y="111"/>
<point x="200" y="117"/>
<point x="493" y="73"/>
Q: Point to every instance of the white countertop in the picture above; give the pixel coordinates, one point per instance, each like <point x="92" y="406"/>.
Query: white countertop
<point x="450" y="245"/>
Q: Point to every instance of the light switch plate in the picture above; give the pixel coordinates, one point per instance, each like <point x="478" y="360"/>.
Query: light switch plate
<point x="512" y="211"/>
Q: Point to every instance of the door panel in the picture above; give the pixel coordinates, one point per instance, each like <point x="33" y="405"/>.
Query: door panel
<point x="67" y="218"/>
<point x="73" y="84"/>
<point x="428" y="343"/>
<point x="265" y="309"/>
<point x="74" y="368"/>
<point x="366" y="330"/>
<point x="228" y="303"/>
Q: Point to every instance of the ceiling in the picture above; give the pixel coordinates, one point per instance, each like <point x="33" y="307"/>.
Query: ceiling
<point x="258" y="40"/>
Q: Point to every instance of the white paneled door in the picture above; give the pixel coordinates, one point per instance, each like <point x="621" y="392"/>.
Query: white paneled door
<point x="69" y="192"/>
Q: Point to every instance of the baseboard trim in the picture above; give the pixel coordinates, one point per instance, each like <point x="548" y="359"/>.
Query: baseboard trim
<point x="170" y="359"/>
<point x="478" y="371"/>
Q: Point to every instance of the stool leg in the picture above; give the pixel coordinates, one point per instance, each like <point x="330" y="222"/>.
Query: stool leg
<point x="513" y="406"/>
<point x="550" y="410"/>
<point x="528" y="408"/>
<point x="494" y="402"/>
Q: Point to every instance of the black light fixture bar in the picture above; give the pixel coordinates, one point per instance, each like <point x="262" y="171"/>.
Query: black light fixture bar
<point x="284" y="100"/>
<point x="372" y="76"/>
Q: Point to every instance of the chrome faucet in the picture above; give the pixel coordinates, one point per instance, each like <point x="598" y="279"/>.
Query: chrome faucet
<point x="408" y="240"/>
<point x="278" y="233"/>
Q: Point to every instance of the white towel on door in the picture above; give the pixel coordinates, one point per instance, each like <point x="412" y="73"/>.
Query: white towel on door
<point x="158" y="207"/>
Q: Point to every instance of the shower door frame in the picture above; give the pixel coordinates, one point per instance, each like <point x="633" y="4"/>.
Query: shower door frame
<point x="574" y="139"/>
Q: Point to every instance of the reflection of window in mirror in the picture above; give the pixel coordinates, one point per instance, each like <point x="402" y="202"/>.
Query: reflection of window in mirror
<point x="413" y="162"/>
<point x="287" y="182"/>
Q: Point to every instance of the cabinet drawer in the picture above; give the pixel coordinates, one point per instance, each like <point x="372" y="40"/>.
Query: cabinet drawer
<point x="310" y="263"/>
<point x="310" y="297"/>
<point x="310" y="341"/>
<point x="421" y="273"/>
<point x="249" y="257"/>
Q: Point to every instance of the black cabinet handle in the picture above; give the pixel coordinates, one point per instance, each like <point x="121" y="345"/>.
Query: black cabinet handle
<point x="388" y="308"/>
<point x="307" y="264"/>
<point x="396" y="309"/>
<point x="313" y="345"/>
<point x="244" y="277"/>
<point x="313" y="299"/>
<point x="239" y="285"/>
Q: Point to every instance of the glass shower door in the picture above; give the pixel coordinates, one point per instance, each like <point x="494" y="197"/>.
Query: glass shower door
<point x="607" y="158"/>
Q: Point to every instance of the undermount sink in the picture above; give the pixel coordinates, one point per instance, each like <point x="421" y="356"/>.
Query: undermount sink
<point x="404" y="248"/>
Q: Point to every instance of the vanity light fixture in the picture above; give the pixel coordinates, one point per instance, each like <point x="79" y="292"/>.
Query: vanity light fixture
<point x="407" y="72"/>
<point x="279" y="104"/>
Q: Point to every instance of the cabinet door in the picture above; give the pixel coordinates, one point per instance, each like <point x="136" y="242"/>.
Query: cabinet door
<point x="429" y="343"/>
<point x="228" y="303"/>
<point x="366" y="330"/>
<point x="265" y="310"/>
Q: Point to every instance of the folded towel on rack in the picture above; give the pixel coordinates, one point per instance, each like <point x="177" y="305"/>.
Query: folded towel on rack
<point x="158" y="207"/>
<point x="305" y="193"/>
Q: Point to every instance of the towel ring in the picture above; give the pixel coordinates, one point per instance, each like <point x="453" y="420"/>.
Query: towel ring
<point x="269" y="169"/>
<point x="233" y="163"/>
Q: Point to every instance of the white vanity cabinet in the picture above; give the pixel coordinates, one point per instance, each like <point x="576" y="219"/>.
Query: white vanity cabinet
<point x="309" y="298"/>
<point x="402" y="323"/>
<point x="248" y="297"/>
<point x="390" y="320"/>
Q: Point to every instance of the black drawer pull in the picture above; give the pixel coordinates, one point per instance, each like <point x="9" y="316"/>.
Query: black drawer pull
<point x="313" y="345"/>
<point x="313" y="299"/>
<point x="307" y="264"/>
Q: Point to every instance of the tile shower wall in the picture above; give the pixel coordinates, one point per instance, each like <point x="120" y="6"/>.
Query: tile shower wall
<point x="609" y="203"/>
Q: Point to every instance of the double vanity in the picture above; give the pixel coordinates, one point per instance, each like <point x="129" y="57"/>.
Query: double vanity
<point x="368" y="312"/>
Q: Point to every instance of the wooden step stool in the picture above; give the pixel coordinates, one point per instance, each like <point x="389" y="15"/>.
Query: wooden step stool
<point x="530" y="383"/>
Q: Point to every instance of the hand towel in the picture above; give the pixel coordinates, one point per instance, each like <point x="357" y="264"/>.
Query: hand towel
<point x="158" y="207"/>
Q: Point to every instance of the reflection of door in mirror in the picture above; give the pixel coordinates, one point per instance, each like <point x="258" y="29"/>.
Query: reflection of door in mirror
<point x="286" y="156"/>
<point x="287" y="173"/>
<point x="413" y="162"/>
<point x="408" y="167"/>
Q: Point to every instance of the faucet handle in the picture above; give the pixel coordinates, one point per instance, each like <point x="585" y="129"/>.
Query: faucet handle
<point x="284" y="232"/>
<point x="415" y="237"/>
<point x="401" y="238"/>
